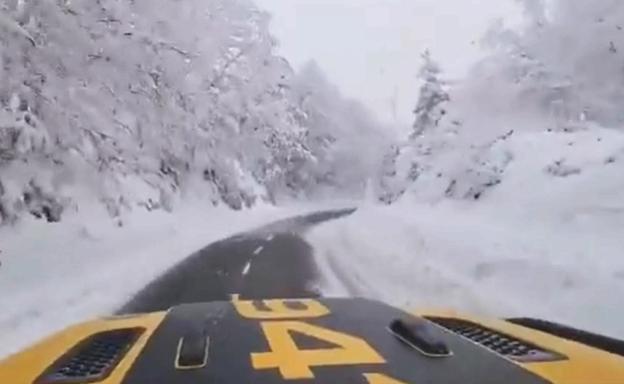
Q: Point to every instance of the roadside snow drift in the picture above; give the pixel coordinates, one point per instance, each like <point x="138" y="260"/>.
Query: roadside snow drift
<point x="545" y="242"/>
<point x="54" y="275"/>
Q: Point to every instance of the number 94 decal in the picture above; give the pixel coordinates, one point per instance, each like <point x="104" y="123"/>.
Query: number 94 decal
<point x="281" y="318"/>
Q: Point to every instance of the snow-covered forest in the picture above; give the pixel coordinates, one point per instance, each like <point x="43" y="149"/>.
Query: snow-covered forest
<point x="141" y="103"/>
<point x="545" y="102"/>
<point x="134" y="105"/>
<point x="137" y="105"/>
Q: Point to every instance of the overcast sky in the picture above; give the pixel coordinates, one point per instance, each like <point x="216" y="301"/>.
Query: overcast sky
<point x="371" y="48"/>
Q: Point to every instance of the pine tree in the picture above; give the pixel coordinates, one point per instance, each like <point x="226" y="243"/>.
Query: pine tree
<point x="430" y="107"/>
<point x="391" y="186"/>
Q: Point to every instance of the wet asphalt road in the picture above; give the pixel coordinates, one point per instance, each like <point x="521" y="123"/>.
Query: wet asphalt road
<point x="271" y="262"/>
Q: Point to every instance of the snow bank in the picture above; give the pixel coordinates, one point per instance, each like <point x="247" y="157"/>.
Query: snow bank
<point x="53" y="275"/>
<point x="545" y="242"/>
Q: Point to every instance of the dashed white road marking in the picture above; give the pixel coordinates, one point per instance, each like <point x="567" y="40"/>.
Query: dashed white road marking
<point x="258" y="250"/>
<point x="270" y="237"/>
<point x="247" y="267"/>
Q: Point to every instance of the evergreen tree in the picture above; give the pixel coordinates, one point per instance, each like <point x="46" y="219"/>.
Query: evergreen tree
<point x="430" y="108"/>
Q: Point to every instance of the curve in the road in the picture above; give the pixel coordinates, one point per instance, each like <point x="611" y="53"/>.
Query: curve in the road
<point x="273" y="261"/>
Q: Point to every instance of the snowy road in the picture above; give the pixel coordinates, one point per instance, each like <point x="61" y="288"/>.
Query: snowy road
<point x="273" y="261"/>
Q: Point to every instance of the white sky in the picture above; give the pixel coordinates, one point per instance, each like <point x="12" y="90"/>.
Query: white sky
<point x="371" y="48"/>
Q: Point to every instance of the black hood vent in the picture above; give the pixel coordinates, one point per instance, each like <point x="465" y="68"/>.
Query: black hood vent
<point x="604" y="343"/>
<point x="503" y="344"/>
<point x="93" y="359"/>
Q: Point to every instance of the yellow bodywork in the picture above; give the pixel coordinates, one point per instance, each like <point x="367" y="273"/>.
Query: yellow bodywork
<point x="584" y="364"/>
<point x="26" y="366"/>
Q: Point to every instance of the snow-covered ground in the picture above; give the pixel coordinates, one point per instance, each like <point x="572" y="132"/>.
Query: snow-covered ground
<point x="536" y="245"/>
<point x="53" y="275"/>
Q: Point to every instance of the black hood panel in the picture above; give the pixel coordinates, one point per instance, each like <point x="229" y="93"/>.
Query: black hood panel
<point x="233" y="339"/>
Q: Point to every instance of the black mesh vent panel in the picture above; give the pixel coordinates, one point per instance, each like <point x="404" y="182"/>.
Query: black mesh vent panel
<point x="93" y="359"/>
<point x="505" y="345"/>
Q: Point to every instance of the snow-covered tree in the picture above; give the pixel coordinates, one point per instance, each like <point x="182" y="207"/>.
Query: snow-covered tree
<point x="404" y="163"/>
<point x="390" y="186"/>
<point x="432" y="99"/>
